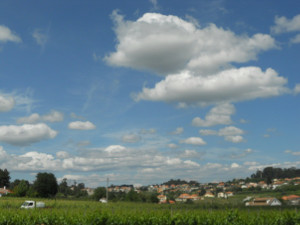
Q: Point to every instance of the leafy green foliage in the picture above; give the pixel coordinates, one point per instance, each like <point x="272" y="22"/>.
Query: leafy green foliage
<point x="21" y="189"/>
<point x="4" y="178"/>
<point x="62" y="212"/>
<point x="45" y="185"/>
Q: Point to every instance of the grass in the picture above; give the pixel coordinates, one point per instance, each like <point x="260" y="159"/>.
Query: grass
<point x="209" y="211"/>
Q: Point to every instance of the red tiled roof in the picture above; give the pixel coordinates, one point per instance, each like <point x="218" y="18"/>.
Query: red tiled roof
<point x="290" y="197"/>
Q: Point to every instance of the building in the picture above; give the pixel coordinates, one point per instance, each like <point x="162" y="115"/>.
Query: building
<point x="4" y="191"/>
<point x="291" y="199"/>
<point x="268" y="201"/>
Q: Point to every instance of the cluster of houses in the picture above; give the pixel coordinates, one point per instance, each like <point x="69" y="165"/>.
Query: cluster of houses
<point x="122" y="188"/>
<point x="271" y="201"/>
<point x="193" y="192"/>
<point x="225" y="190"/>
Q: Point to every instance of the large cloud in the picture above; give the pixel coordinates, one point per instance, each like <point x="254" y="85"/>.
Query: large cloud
<point x="229" y="85"/>
<point x="129" y="165"/>
<point x="168" y="44"/>
<point x="26" y="134"/>
<point x="6" y="103"/>
<point x="7" y="35"/>
<point x="197" y="61"/>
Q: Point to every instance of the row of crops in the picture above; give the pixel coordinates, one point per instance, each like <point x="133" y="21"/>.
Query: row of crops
<point x="84" y="212"/>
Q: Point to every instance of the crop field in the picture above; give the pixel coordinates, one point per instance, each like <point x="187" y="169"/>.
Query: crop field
<point x="89" y="212"/>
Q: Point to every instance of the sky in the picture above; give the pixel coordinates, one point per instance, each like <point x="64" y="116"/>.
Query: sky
<point x="146" y="91"/>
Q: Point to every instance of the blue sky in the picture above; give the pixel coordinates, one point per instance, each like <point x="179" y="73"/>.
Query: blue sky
<point x="147" y="91"/>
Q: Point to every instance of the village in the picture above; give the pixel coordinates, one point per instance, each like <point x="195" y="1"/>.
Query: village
<point x="186" y="192"/>
<point x="263" y="188"/>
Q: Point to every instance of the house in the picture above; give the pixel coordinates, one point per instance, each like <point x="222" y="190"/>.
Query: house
<point x="4" y="191"/>
<point x="221" y="185"/>
<point x="183" y="197"/>
<point x="209" y="195"/>
<point x="221" y="195"/>
<point x="268" y="201"/>
<point x="291" y="199"/>
<point x="263" y="184"/>
<point x="194" y="197"/>
<point x="90" y="191"/>
<point x="229" y="193"/>
<point x="162" y="198"/>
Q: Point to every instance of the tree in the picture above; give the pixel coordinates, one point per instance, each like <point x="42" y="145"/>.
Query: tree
<point x="99" y="192"/>
<point x="63" y="188"/>
<point x="4" y="178"/>
<point x="21" y="189"/>
<point x="132" y="196"/>
<point x="45" y="185"/>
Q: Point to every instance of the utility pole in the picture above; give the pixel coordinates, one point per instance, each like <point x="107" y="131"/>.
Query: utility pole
<point x="107" y="180"/>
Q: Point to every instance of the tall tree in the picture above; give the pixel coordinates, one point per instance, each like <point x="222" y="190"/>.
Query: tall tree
<point x="63" y="187"/>
<point x="46" y="185"/>
<point x="4" y="178"/>
<point x="99" y="192"/>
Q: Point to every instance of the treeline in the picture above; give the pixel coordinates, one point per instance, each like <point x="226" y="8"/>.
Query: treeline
<point x="46" y="186"/>
<point x="180" y="182"/>
<point x="270" y="173"/>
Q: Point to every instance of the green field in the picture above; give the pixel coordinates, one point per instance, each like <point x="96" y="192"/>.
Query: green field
<point x="91" y="212"/>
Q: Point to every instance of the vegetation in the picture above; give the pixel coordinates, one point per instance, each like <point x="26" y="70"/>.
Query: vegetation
<point x="45" y="185"/>
<point x="91" y="212"/>
<point x="270" y="173"/>
<point x="4" y="178"/>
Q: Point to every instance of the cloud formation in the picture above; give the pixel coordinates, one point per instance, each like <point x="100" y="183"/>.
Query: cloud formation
<point x="168" y="44"/>
<point x="193" y="141"/>
<point x="40" y="36"/>
<point x="283" y="25"/>
<point x="80" y="125"/>
<point x="196" y="61"/>
<point x="220" y="114"/>
<point x="232" y="85"/>
<point x="230" y="133"/>
<point x="178" y="130"/>
<point x="6" y="103"/>
<point x="53" y="116"/>
<point x="131" y="138"/>
<point x="7" y="35"/>
<point x="26" y="134"/>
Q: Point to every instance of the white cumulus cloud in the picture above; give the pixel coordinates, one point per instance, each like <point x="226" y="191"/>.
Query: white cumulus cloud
<point x="26" y="134"/>
<point x="7" y="35"/>
<point x="232" y="85"/>
<point x="169" y="44"/>
<point x="220" y="114"/>
<point x="197" y="62"/>
<point x="283" y="25"/>
<point x="80" y="125"/>
<point x="230" y="133"/>
<point x="193" y="141"/>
